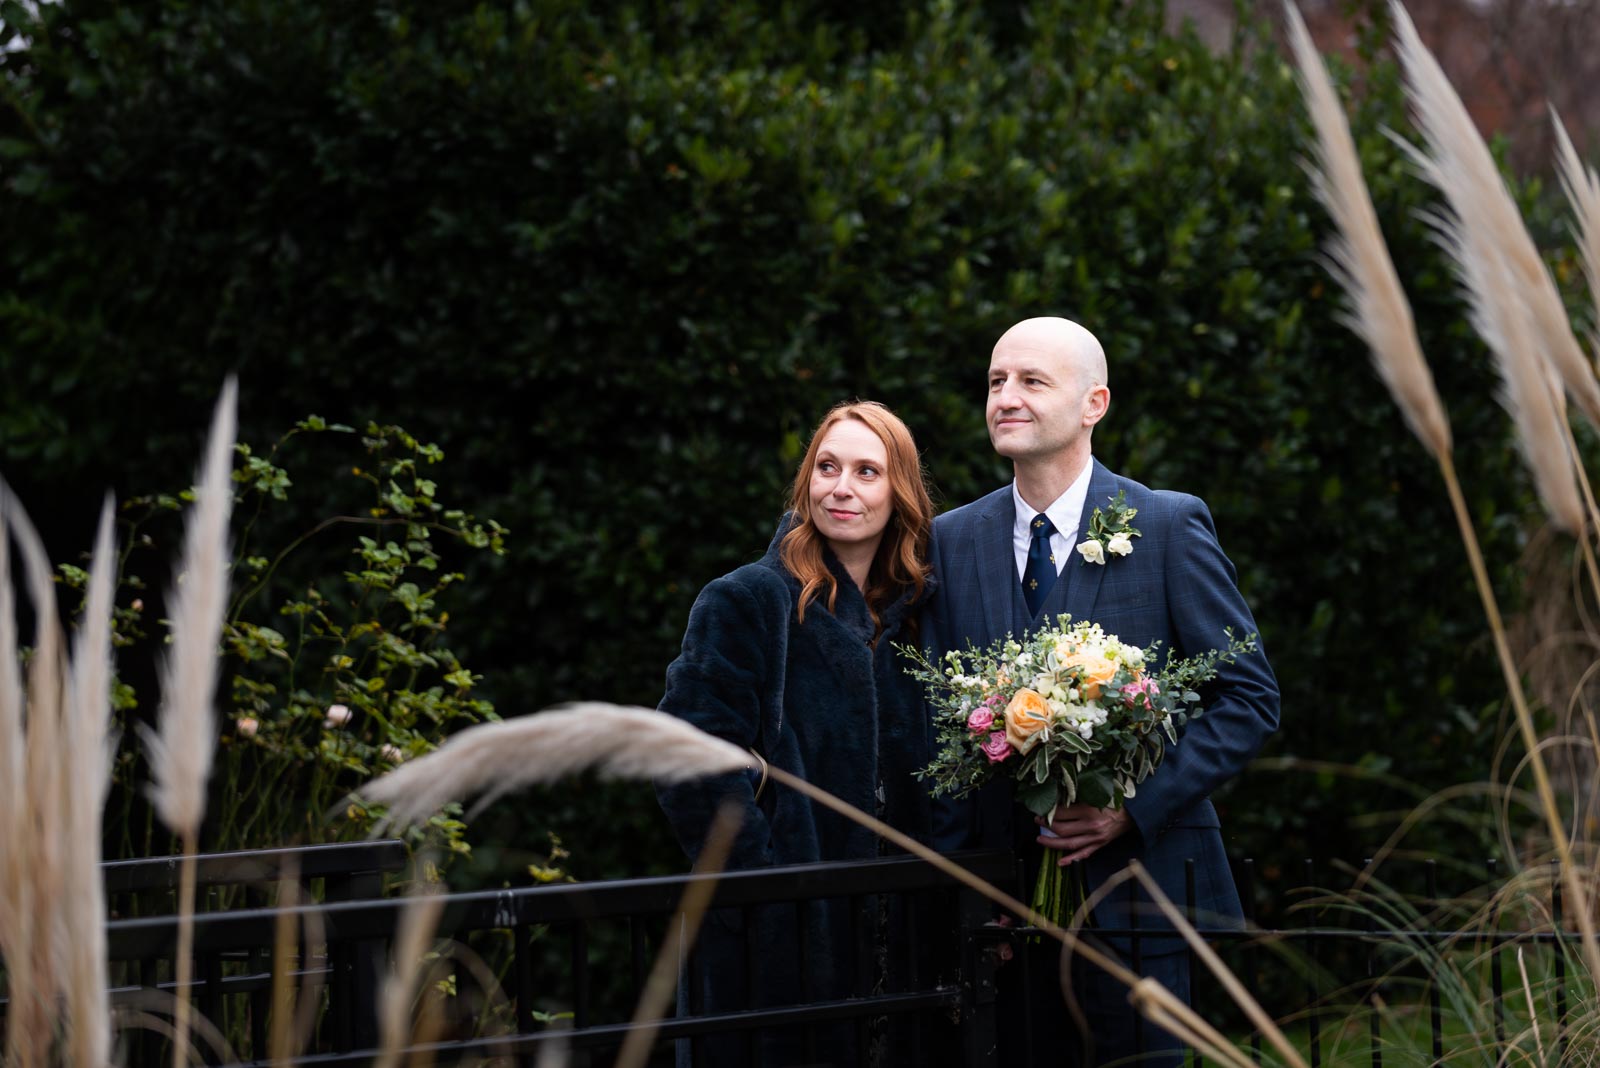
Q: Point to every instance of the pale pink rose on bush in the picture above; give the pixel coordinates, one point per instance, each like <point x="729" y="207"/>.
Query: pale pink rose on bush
<point x="247" y="726"/>
<point x="981" y="720"/>
<point x="997" y="748"/>
<point x="338" y="716"/>
<point x="392" y="753"/>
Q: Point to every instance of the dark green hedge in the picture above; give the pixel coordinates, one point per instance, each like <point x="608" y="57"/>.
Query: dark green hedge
<point x="617" y="259"/>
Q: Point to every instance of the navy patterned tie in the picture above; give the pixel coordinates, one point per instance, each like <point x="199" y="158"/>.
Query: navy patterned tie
<point x="1040" y="574"/>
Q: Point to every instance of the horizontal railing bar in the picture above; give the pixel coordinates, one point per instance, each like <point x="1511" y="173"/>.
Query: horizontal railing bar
<point x="152" y="936"/>
<point x="253" y="865"/>
<point x="669" y="1029"/>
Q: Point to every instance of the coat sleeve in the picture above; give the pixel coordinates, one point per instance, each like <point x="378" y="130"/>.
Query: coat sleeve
<point x="728" y="675"/>
<point x="1241" y="704"/>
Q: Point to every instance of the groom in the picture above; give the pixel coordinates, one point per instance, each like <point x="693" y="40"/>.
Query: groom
<point x="1011" y="562"/>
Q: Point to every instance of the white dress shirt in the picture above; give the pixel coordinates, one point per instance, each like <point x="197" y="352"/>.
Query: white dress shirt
<point x="1066" y="513"/>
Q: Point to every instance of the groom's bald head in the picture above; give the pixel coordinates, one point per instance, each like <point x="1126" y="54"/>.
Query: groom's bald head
<point x="1058" y="339"/>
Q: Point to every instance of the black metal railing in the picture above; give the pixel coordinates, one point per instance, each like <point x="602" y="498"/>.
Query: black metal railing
<point x="570" y="960"/>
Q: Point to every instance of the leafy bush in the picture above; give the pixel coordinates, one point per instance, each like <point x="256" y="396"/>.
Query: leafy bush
<point x="337" y="671"/>
<point x="617" y="259"/>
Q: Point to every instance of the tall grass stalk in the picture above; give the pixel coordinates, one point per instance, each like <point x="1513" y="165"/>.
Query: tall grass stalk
<point x="681" y="932"/>
<point x="180" y="754"/>
<point x="1457" y="166"/>
<point x="1487" y="235"/>
<point x="90" y="744"/>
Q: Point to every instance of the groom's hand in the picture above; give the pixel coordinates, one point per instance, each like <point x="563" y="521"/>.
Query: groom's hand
<point x="1079" y="830"/>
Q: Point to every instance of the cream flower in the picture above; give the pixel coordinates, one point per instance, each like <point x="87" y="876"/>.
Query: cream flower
<point x="1093" y="552"/>
<point x="1120" y="544"/>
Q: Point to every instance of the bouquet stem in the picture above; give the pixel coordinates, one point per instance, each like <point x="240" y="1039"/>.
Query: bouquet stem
<point x="1057" y="891"/>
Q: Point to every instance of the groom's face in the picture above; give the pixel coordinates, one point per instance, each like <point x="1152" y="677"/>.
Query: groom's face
<point x="1037" y="398"/>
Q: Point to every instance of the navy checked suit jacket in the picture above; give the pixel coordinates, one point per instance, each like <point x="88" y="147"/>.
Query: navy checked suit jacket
<point x="1176" y="587"/>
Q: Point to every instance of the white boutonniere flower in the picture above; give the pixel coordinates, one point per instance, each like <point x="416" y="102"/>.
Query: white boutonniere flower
<point x="1110" y="531"/>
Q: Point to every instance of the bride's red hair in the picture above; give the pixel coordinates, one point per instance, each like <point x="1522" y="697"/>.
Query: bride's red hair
<point x="902" y="559"/>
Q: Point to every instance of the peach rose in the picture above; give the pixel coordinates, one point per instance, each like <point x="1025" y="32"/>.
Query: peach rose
<point x="1026" y="715"/>
<point x="1095" y="671"/>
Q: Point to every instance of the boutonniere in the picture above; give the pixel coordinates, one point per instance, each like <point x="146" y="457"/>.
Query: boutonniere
<point x="1110" y="531"/>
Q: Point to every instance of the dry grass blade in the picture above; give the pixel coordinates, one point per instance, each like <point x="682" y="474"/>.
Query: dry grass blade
<point x="1514" y="304"/>
<point x="83" y="913"/>
<point x="681" y="932"/>
<point x="1533" y="1011"/>
<point x="1583" y="193"/>
<point x="1359" y="258"/>
<point x="180" y="755"/>
<point x="1155" y="1002"/>
<point x="495" y="758"/>
<point x="1230" y="982"/>
<point x="415" y="934"/>
<point x="1184" y="1019"/>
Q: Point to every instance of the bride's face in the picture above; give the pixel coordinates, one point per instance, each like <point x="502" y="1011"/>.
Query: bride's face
<point x="851" y="498"/>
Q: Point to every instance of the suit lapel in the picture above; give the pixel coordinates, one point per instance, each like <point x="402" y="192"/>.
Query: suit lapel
<point x="1084" y="586"/>
<point x="997" y="564"/>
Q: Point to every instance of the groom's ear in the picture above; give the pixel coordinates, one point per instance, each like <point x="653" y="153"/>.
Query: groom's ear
<point x="1096" y="402"/>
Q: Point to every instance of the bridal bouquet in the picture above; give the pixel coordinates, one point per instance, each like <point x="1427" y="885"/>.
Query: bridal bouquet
<point x="1072" y="714"/>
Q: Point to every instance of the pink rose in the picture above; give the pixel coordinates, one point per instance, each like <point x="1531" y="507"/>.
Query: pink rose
<point x="980" y="720"/>
<point x="1144" y="687"/>
<point x="997" y="748"/>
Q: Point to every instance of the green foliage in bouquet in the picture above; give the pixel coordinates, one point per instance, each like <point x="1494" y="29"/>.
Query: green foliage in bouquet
<point x="1074" y="714"/>
<point x="336" y="655"/>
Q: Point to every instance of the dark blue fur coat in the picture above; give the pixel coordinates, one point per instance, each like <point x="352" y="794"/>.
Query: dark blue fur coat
<point x="820" y="699"/>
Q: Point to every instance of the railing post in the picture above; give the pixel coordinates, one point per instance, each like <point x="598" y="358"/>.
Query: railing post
<point x="1374" y="1024"/>
<point x="979" y="1030"/>
<point x="1247" y="895"/>
<point x="1435" y="1017"/>
<point x="1496" y="982"/>
<point x="1313" y="1023"/>
<point x="1560" y="959"/>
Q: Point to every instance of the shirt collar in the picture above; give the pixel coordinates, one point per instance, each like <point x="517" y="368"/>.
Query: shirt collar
<point x="1066" y="511"/>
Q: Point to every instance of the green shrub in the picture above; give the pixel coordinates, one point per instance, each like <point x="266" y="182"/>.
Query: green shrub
<point x="617" y="259"/>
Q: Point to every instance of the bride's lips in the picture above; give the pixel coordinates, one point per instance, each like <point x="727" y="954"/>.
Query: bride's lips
<point x="841" y="515"/>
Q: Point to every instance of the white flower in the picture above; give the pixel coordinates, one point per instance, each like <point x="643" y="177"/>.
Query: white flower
<point x="1024" y="659"/>
<point x="1093" y="552"/>
<point x="246" y="726"/>
<point x="392" y="753"/>
<point x="1120" y="544"/>
<point x="338" y="716"/>
<point x="1085" y="731"/>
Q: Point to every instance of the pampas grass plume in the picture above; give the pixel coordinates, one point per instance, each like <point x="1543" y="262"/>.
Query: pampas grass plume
<point x="180" y="755"/>
<point x="88" y="753"/>
<point x="1509" y="290"/>
<point x="1583" y="193"/>
<point x="36" y="868"/>
<point x="496" y="758"/>
<point x="1359" y="258"/>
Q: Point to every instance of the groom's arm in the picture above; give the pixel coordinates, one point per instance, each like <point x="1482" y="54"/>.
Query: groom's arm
<point x="1241" y="711"/>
